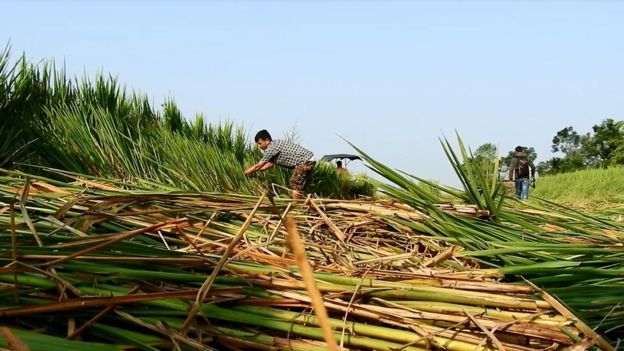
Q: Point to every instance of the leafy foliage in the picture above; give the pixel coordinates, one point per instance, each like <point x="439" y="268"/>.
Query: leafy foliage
<point x="571" y="254"/>
<point x="96" y="127"/>
<point x="603" y="147"/>
<point x="488" y="151"/>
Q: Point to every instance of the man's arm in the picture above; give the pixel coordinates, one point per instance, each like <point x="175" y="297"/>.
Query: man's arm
<point x="266" y="166"/>
<point x="260" y="166"/>
<point x="265" y="162"/>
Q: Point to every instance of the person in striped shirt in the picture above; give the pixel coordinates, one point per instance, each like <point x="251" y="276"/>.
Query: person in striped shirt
<point x="287" y="154"/>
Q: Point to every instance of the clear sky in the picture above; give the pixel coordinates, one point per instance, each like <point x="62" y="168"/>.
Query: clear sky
<point x="390" y="77"/>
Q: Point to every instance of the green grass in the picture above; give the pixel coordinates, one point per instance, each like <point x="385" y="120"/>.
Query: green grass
<point x="591" y="188"/>
<point x="95" y="127"/>
<point x="574" y="255"/>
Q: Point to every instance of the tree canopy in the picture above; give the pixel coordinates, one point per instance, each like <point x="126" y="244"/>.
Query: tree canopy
<point x="602" y="147"/>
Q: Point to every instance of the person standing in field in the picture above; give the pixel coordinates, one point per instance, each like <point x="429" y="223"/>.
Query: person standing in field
<point x="339" y="168"/>
<point x="521" y="171"/>
<point x="285" y="154"/>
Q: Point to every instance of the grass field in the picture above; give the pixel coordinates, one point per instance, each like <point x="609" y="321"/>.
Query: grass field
<point x="590" y="189"/>
<point x="97" y="127"/>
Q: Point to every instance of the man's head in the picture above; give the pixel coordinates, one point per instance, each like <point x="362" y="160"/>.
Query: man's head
<point x="338" y="164"/>
<point x="519" y="149"/>
<point x="263" y="139"/>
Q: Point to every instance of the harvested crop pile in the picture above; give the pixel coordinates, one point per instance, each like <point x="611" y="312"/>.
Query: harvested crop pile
<point x="101" y="266"/>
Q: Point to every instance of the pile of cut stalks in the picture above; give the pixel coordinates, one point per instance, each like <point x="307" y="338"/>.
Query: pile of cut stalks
<point x="94" y="265"/>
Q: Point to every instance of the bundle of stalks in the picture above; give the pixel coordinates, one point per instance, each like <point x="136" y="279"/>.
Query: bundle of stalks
<point x="575" y="256"/>
<point x="113" y="266"/>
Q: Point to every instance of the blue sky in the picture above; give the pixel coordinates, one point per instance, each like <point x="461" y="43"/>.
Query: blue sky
<point x="391" y="77"/>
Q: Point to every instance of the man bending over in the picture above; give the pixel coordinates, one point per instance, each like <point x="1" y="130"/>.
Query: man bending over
<point x="286" y="154"/>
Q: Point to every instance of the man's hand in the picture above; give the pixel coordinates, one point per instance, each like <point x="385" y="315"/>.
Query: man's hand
<point x="260" y="166"/>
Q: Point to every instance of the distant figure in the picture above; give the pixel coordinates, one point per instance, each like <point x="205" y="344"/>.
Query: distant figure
<point x="339" y="168"/>
<point x="521" y="171"/>
<point x="286" y="154"/>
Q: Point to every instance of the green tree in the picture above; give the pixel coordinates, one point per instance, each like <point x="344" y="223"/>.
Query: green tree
<point x="483" y="159"/>
<point x="602" y="147"/>
<point x="569" y="163"/>
<point x="567" y="140"/>
<point x="488" y="151"/>
<point x="571" y="144"/>
<point x="607" y="139"/>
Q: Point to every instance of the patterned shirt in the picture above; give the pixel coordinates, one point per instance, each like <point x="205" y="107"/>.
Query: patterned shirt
<point x="286" y="154"/>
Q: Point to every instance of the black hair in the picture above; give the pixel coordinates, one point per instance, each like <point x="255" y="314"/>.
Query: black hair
<point x="339" y="163"/>
<point x="519" y="149"/>
<point x="263" y="134"/>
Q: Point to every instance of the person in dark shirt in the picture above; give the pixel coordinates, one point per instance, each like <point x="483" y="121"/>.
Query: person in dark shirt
<point x="285" y="154"/>
<point x="339" y="168"/>
<point x="521" y="171"/>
